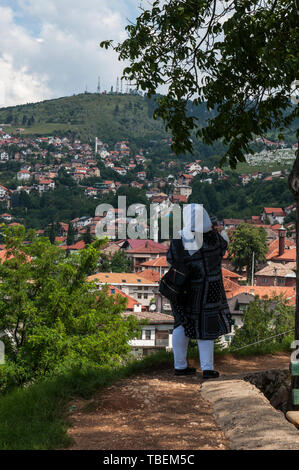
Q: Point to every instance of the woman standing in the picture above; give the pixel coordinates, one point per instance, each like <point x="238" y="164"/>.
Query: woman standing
<point x="202" y="313"/>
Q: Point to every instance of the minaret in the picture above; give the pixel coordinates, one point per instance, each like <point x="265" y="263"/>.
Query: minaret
<point x="281" y="235"/>
<point x="99" y="85"/>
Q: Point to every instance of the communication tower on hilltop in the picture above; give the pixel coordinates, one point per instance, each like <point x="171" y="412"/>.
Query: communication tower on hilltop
<point x="121" y="86"/>
<point x="99" y="85"/>
<point x="117" y="85"/>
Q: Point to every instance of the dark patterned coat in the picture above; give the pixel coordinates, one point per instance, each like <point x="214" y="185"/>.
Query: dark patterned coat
<point x="203" y="311"/>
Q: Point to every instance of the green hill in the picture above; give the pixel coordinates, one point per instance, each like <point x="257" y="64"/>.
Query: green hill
<point x="110" y="117"/>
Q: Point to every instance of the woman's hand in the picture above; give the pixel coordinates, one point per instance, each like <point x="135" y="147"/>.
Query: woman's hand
<point x="219" y="228"/>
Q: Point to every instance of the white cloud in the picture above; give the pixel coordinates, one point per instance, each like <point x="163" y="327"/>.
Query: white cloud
<point x="65" y="55"/>
<point x="21" y="84"/>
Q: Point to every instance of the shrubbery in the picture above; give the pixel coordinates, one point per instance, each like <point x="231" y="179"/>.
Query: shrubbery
<point x="53" y="318"/>
<point x="265" y="318"/>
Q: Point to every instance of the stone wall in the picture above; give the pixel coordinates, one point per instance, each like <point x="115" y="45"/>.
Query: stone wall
<point x="275" y="385"/>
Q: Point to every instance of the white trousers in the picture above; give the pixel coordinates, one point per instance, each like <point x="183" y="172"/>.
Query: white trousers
<point x="180" y="345"/>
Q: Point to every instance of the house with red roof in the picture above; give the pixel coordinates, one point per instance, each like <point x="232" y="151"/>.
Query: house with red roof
<point x="155" y="335"/>
<point x="132" y="304"/>
<point x="274" y="214"/>
<point x="144" y="252"/>
<point x="132" y="284"/>
<point x="232" y="223"/>
<point x="6" y="217"/>
<point x="278" y="247"/>
<point x="179" y="199"/>
<point x="23" y="175"/>
<point x="73" y="248"/>
<point x="277" y="274"/>
<point x="45" y="185"/>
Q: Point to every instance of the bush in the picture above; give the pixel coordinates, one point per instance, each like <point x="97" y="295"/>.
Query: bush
<point x="53" y="317"/>
<point x="263" y="319"/>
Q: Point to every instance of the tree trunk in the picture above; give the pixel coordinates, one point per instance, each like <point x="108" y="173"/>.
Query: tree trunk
<point x="294" y="187"/>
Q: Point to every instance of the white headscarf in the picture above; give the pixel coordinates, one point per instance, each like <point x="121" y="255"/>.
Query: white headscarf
<point x="196" y="221"/>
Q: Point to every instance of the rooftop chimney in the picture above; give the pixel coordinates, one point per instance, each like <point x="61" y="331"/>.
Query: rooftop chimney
<point x="281" y="235"/>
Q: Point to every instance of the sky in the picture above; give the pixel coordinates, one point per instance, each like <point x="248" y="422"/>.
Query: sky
<point x="50" y="48"/>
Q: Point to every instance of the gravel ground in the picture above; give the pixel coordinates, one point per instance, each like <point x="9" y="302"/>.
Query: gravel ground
<point x="160" y="411"/>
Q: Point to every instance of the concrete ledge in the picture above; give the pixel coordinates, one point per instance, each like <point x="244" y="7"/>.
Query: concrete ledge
<point x="293" y="417"/>
<point x="247" y="418"/>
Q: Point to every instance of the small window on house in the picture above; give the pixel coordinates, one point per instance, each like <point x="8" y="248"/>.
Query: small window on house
<point x="112" y="291"/>
<point x="242" y="307"/>
<point x="145" y="296"/>
<point x="148" y="334"/>
<point x="123" y="280"/>
<point x="139" y="296"/>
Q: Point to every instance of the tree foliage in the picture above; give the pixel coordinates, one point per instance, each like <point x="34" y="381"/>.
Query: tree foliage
<point x="51" y="315"/>
<point x="246" y="240"/>
<point x="263" y="318"/>
<point x="238" y="57"/>
<point x="118" y="263"/>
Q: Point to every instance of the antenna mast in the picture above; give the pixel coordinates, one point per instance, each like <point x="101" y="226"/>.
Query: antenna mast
<point x="99" y="85"/>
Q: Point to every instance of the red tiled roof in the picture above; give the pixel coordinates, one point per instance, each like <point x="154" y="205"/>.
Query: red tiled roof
<point x="60" y="239"/>
<point x="288" y="255"/>
<point x="157" y="262"/>
<point x="274" y="210"/>
<point x="229" y="274"/>
<point x="273" y="247"/>
<point x="148" y="250"/>
<point x="152" y="317"/>
<point x="77" y="246"/>
<point x="151" y="275"/>
<point x="4" y="256"/>
<point x="141" y="242"/>
<point x="268" y="291"/>
<point x="231" y="288"/>
<point x="120" y="278"/>
<point x="131" y="300"/>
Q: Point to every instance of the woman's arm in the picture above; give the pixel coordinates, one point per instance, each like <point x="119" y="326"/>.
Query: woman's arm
<point x="224" y="240"/>
<point x="170" y="254"/>
<point x="225" y="236"/>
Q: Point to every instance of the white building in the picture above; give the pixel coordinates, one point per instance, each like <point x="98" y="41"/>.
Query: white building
<point x="23" y="175"/>
<point x="4" y="156"/>
<point x="132" y="284"/>
<point x="155" y="335"/>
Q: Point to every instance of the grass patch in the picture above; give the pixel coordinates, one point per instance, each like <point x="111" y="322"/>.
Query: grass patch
<point x="36" y="417"/>
<point x="263" y="348"/>
<point x="260" y="349"/>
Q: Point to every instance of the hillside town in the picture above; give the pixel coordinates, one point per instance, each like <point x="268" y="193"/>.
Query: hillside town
<point x="41" y="158"/>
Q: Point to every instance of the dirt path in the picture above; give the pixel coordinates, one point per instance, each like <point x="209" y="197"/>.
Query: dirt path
<point x="157" y="411"/>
